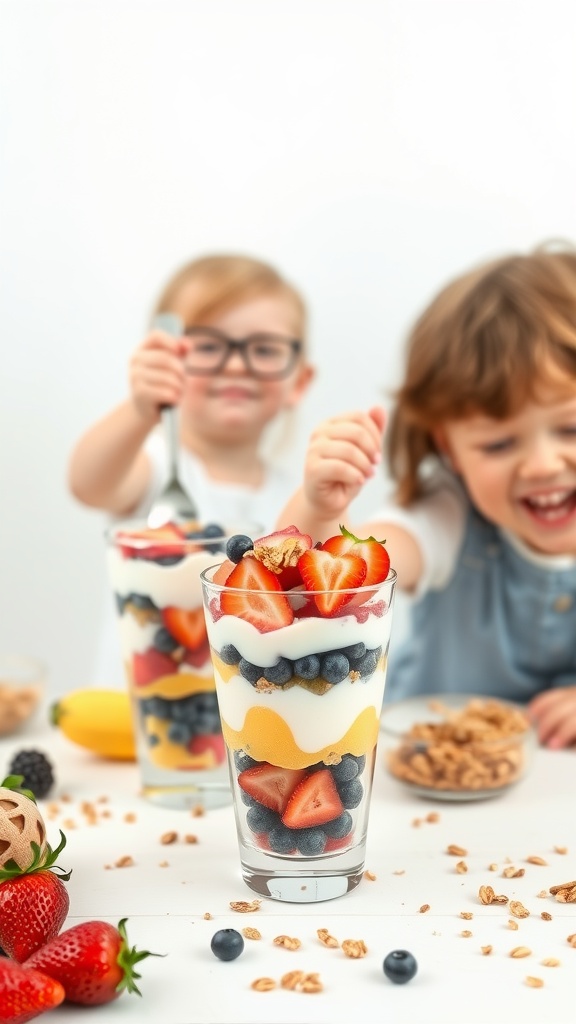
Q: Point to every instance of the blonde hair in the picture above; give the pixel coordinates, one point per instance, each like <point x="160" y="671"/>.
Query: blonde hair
<point x="485" y="344"/>
<point x="218" y="282"/>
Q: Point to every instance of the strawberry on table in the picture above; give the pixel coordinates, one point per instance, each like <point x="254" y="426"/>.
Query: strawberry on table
<point x="25" y="994"/>
<point x="33" y="899"/>
<point x="333" y="573"/>
<point x="371" y="550"/>
<point x="93" y="962"/>
<point x="266" y="607"/>
<point x="314" y="801"/>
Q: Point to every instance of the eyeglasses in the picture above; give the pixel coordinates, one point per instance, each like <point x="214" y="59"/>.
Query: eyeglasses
<point x="266" y="356"/>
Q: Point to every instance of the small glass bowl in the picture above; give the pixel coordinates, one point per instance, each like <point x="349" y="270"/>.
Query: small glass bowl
<point x="456" y="746"/>
<point x="22" y="682"/>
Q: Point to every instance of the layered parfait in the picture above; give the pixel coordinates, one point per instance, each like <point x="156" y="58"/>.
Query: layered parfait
<point x="299" y="637"/>
<point x="155" y="576"/>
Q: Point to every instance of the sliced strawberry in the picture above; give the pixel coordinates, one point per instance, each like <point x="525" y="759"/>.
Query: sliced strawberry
<point x="313" y="802"/>
<point x="223" y="571"/>
<point x="151" y="543"/>
<point x="198" y="656"/>
<point x="337" y="844"/>
<point x="213" y="742"/>
<point x="188" y="627"/>
<point x="151" y="665"/>
<point x="371" y="550"/>
<point x="280" y="552"/>
<point x="270" y="785"/>
<point x="258" y="598"/>
<point x="334" y="574"/>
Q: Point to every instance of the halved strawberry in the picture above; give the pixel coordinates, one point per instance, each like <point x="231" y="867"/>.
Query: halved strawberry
<point x="280" y="552"/>
<point x="270" y="785"/>
<point x="151" y="543"/>
<point x="258" y="598"/>
<point x="209" y="741"/>
<point x="321" y="570"/>
<point x="151" y="665"/>
<point x="187" y="626"/>
<point x="199" y="656"/>
<point x="313" y="802"/>
<point x="371" y="550"/>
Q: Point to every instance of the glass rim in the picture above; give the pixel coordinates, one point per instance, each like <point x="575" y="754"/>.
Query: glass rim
<point x="365" y="589"/>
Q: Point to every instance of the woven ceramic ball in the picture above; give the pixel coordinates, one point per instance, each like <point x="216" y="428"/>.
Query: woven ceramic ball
<point x="20" y="824"/>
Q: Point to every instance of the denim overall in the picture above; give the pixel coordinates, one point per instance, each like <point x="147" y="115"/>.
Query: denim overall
<point x="501" y="627"/>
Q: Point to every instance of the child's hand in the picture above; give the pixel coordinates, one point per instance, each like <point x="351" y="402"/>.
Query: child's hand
<point x="157" y="373"/>
<point x="553" y="713"/>
<point x="342" y="456"/>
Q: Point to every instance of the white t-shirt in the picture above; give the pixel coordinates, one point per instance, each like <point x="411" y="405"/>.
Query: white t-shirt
<point x="217" y="502"/>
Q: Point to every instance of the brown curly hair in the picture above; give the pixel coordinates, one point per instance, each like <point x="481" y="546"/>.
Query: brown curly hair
<point x="485" y="344"/>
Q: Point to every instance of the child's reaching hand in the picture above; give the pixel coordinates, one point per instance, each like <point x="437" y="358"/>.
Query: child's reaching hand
<point x="157" y="373"/>
<point x="342" y="455"/>
<point x="553" y="713"/>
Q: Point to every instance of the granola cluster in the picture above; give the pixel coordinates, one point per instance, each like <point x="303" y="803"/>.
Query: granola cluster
<point x="477" y="747"/>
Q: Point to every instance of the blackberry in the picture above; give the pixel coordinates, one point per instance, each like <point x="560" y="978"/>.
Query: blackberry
<point x="36" y="769"/>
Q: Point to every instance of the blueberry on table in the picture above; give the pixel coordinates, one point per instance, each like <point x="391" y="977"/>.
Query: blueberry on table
<point x="399" y="966"/>
<point x="227" y="944"/>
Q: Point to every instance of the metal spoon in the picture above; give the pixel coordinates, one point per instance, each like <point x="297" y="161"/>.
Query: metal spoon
<point x="173" y="503"/>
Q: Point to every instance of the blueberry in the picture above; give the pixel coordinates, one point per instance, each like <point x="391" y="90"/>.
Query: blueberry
<point x="360" y="761"/>
<point x="179" y="732"/>
<point x="212" y="530"/>
<point x="142" y="601"/>
<point x="227" y="944"/>
<point x="279" y="673"/>
<point x="351" y="793"/>
<point x="367" y="665"/>
<point x="307" y="667"/>
<point x="229" y="655"/>
<point x="310" y="841"/>
<point x="346" y="770"/>
<point x="120" y="603"/>
<point x="355" y="651"/>
<point x="338" y="827"/>
<point x="243" y="761"/>
<point x="168" y="559"/>
<point x="237" y="546"/>
<point x="164" y="641"/>
<point x="262" y="819"/>
<point x="282" y="839"/>
<point x="159" y="707"/>
<point x="335" y="667"/>
<point x="399" y="966"/>
<point x="250" y="672"/>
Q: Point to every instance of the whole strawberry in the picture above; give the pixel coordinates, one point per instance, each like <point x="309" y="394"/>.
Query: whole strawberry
<point x="25" y="994"/>
<point x="33" y="900"/>
<point x="93" y="962"/>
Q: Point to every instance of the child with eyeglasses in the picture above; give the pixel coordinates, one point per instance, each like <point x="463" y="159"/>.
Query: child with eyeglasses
<point x="239" y="368"/>
<point x="482" y="526"/>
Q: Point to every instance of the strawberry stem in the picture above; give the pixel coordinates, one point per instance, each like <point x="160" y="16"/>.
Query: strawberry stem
<point x="358" y="540"/>
<point x="127" y="959"/>
<point x="43" y="860"/>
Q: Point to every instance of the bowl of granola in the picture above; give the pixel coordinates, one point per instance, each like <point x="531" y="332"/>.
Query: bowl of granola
<point x="456" y="746"/>
<point x="22" y="683"/>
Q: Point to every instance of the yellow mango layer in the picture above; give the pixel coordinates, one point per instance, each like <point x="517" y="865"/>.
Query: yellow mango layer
<point x="266" y="737"/>
<point x="167" y="754"/>
<point x="172" y="687"/>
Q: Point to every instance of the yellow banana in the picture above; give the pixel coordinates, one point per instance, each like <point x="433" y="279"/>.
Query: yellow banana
<point x="99" y="720"/>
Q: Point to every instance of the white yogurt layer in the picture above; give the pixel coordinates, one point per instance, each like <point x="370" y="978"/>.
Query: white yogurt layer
<point x="176" y="585"/>
<point x="314" y="721"/>
<point x="312" y="635"/>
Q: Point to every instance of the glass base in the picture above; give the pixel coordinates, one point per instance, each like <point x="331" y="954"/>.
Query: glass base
<point x="187" y="797"/>
<point x="313" y="881"/>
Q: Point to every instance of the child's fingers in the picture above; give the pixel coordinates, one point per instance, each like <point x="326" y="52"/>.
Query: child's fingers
<point x="344" y="459"/>
<point x="356" y="429"/>
<point x="554" y="717"/>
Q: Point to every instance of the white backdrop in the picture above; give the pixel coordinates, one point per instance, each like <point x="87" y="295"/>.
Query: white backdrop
<point x="370" y="148"/>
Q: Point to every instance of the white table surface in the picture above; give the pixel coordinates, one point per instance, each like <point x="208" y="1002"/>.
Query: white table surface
<point x="165" y="905"/>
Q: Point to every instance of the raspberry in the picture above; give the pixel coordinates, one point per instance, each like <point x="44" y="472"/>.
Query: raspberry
<point x="36" y="769"/>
